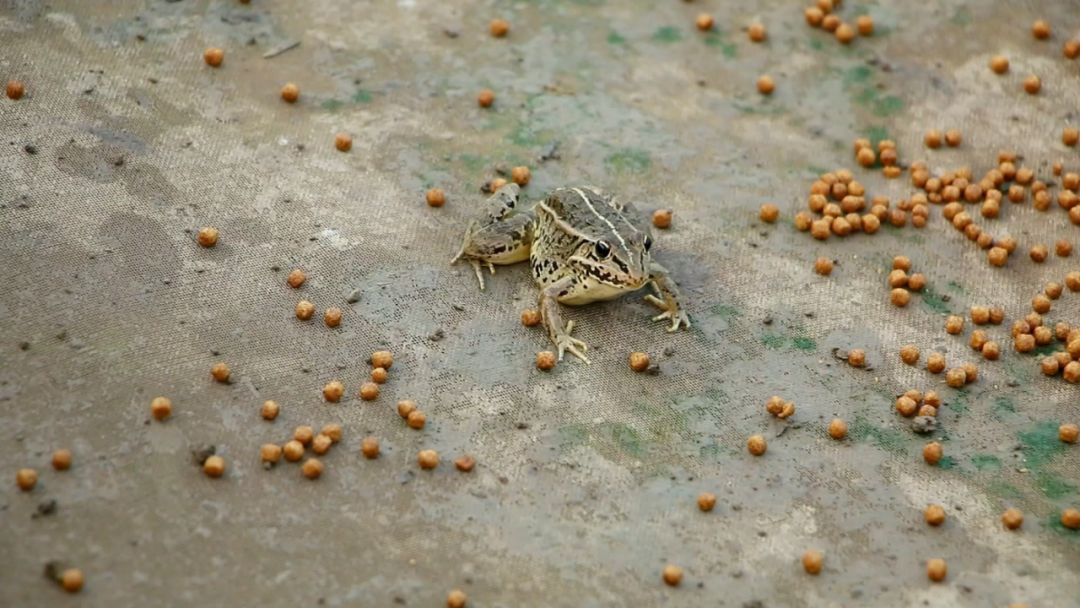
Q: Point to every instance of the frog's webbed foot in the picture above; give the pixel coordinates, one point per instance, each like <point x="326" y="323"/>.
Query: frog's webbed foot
<point x="558" y="331"/>
<point x="676" y="314"/>
<point x="564" y="342"/>
<point x="669" y="301"/>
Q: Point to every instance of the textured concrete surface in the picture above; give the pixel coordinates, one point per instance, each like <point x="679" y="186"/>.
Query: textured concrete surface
<point x="587" y="475"/>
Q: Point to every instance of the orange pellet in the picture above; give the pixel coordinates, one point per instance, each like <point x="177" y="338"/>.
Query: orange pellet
<point x="768" y="213"/>
<point x="427" y="459"/>
<point x="207" y="236"/>
<point x="672" y="575"/>
<point x="304" y="434"/>
<point x="909" y="354"/>
<point x="845" y="33"/>
<point x="312" y="468"/>
<point x="1012" y="518"/>
<point x="220" y="372"/>
<point x="812" y="562"/>
<point x="545" y="360"/>
<point x="499" y="27"/>
<point x="932" y="139"/>
<point x="343" y="142"/>
<point x="899" y="297"/>
<point x="304" y="310"/>
<point x="765" y="85"/>
<point x="756" y="445"/>
<point x="465" y="463"/>
<point x="26" y="479"/>
<point x="932" y="453"/>
<point x="321" y="444"/>
<point x="823" y="266"/>
<point x="1070" y="136"/>
<point x="661" y="218"/>
<point x="161" y="408"/>
<point x="934" y="515"/>
<point x="333" y="391"/>
<point x="865" y="25"/>
<point x="293" y="450"/>
<point x="936" y="569"/>
<point x="1070" y="518"/>
<point x="756" y="32"/>
<point x="270" y="453"/>
<point x="1032" y="84"/>
<point x="706" y="501"/>
<point x="369" y="447"/>
<point x="485" y="98"/>
<point x="1040" y="29"/>
<point x="999" y="64"/>
<point x="214" y="466"/>
<point x="838" y="429"/>
<point x="416" y="420"/>
<point x="213" y="57"/>
<point x="1068" y="432"/>
<point x="332" y="317"/>
<point x="379" y="375"/>
<point x="382" y="358"/>
<point x="290" y="92"/>
<point x="15" y="89"/>
<point x="435" y="197"/>
<point x="369" y="391"/>
<point x="704" y="22"/>
<point x="296" y="278"/>
<point x="61" y="459"/>
<point x="456" y="599"/>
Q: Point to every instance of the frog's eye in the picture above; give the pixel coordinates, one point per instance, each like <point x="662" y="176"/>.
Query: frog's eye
<point x="602" y="249"/>
<point x="510" y="202"/>
<point x="648" y="243"/>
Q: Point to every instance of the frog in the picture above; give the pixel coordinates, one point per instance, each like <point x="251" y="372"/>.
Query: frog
<point x="583" y="246"/>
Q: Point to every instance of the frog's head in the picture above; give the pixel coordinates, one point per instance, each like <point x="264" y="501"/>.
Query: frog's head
<point x="618" y="260"/>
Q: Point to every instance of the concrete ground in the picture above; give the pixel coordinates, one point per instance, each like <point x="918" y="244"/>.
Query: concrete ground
<point x="126" y="143"/>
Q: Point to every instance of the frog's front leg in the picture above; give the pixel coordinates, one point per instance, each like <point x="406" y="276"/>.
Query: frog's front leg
<point x="502" y="242"/>
<point x="558" y="331"/>
<point x="670" y="302"/>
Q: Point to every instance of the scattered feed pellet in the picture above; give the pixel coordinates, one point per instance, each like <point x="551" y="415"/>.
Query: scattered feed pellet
<point x="214" y="466"/>
<point x="304" y="310"/>
<point x="333" y="391"/>
<point x="1012" y="518"/>
<point x="161" y="408"/>
<point x="213" y="57"/>
<point x="900" y="297"/>
<point x="756" y="445"/>
<point x="312" y="468"/>
<point x="26" y="479"/>
<point x="416" y="420"/>
<point x="704" y="22"/>
<point x="304" y="434"/>
<point x="369" y="447"/>
<point x="1040" y="29"/>
<point x="1068" y="432"/>
<point x="756" y="32"/>
<point x="936" y="569"/>
<point x="768" y="213"/>
<point x="545" y="360"/>
<point x="61" y="459"/>
<point x="382" y="358"/>
<point x="293" y="450"/>
<point x="865" y="24"/>
<point x="530" y="317"/>
<point x="269" y="410"/>
<point x="332" y="317"/>
<point x="909" y="354"/>
<point x="456" y="599"/>
<point x="639" y="362"/>
<point x="290" y="92"/>
<point x="321" y="444"/>
<point x="72" y="580"/>
<point x="427" y="459"/>
<point x="485" y="98"/>
<point x="706" y="501"/>
<point x="220" y="372"/>
<point x="465" y="463"/>
<point x="296" y="278"/>
<point x="999" y="64"/>
<point x="661" y="218"/>
<point x="435" y="197"/>
<point x="499" y="27"/>
<point x="934" y="515"/>
<point x="1032" y="85"/>
<point x="15" y="89"/>
<point x="812" y="561"/>
<point x="672" y="575"/>
<point x="379" y="375"/>
<point x="954" y="324"/>
<point x="207" y="236"/>
<point x="343" y="142"/>
<point x="857" y="357"/>
<point x="932" y="453"/>
<point x="405" y="407"/>
<point x="838" y="429"/>
<point x="1070" y="518"/>
<point x="765" y="84"/>
<point x="270" y="453"/>
<point x="369" y="391"/>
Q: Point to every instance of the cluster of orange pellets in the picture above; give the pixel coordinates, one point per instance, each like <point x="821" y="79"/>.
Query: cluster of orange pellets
<point x="823" y="15"/>
<point x="1031" y="332"/>
<point x="915" y="403"/>
<point x="305" y="310"/>
<point x="835" y="202"/>
<point x="955" y="377"/>
<point x="901" y="283"/>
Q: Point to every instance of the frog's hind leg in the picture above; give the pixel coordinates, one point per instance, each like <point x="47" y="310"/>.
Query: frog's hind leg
<point x="505" y="241"/>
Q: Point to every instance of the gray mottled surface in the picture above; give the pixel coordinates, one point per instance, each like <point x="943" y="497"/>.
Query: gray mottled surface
<point x="587" y="476"/>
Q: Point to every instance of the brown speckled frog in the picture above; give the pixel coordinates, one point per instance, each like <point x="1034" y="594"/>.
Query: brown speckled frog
<point x="583" y="247"/>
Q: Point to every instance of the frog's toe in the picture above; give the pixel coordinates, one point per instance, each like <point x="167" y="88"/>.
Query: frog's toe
<point x="479" y="273"/>
<point x="575" y="347"/>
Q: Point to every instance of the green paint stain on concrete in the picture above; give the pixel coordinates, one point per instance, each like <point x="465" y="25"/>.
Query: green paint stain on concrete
<point x="888" y="105"/>
<point x="946" y="463"/>
<point x="717" y="39"/>
<point x="362" y="96"/>
<point x="773" y="340"/>
<point x="983" y="462"/>
<point x="1053" y="486"/>
<point x="523" y="135"/>
<point x="1003" y="406"/>
<point x="572" y="435"/>
<point x="875" y="134"/>
<point x="1004" y="489"/>
<point x="962" y="16"/>
<point x="959" y="404"/>
<point x="627" y="439"/>
<point x="331" y="104"/>
<point x="1041" y="443"/>
<point x="629" y="160"/>
<point x="615" y="38"/>
<point x="954" y="286"/>
<point x="667" y="34"/>
<point x="886" y="439"/>
<point x="472" y="162"/>
<point x="804" y="343"/>
<point x="724" y="311"/>
<point x="858" y="74"/>
<point x="934" y="301"/>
